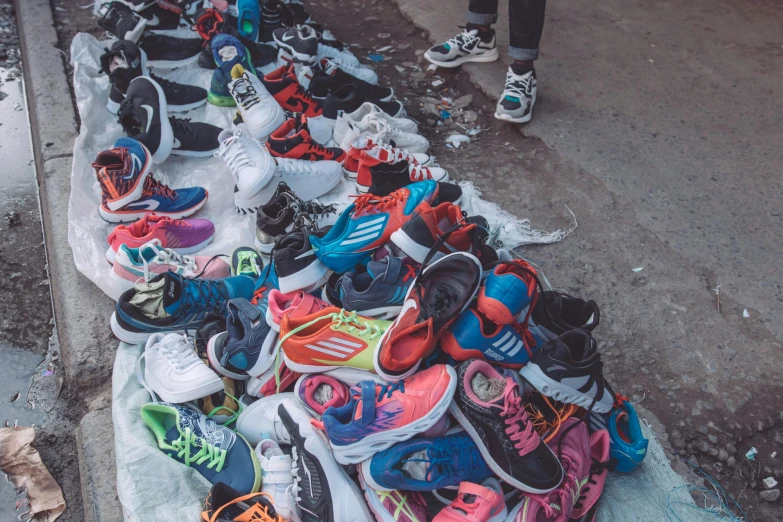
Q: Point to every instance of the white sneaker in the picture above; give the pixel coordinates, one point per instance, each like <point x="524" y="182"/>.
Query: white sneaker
<point x="321" y="129"/>
<point x="260" y="421"/>
<point x="386" y="133"/>
<point x="357" y="71"/>
<point x="308" y="179"/>
<point x="370" y="110"/>
<point x="277" y="479"/>
<point x="327" y="51"/>
<point x="421" y="173"/>
<point x="174" y="372"/>
<point x="259" y="110"/>
<point x="251" y="166"/>
<point x="517" y="100"/>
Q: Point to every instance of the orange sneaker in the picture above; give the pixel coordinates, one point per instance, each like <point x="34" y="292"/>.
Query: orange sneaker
<point x="226" y="503"/>
<point x="329" y="339"/>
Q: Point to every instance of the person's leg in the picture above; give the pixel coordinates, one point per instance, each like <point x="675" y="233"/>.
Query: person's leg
<point x="482" y="13"/>
<point x="475" y="44"/>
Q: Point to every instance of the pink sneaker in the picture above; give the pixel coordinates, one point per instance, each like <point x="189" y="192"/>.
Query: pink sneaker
<point x="266" y="384"/>
<point x="183" y="236"/>
<point x="474" y="503"/>
<point x="587" y="505"/>
<point x="319" y="392"/>
<point x="572" y="447"/>
<point x="396" y="506"/>
<point x="295" y="304"/>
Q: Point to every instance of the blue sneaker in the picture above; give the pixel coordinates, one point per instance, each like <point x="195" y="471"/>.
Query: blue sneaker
<point x="248" y="18"/>
<point x="380" y="291"/>
<point x="228" y="52"/>
<point x="628" y="447"/>
<point x="427" y="464"/>
<point x="509" y="289"/>
<point x="473" y="336"/>
<point x="188" y="436"/>
<point x="368" y="224"/>
<point x="268" y="277"/>
<point x="173" y="303"/>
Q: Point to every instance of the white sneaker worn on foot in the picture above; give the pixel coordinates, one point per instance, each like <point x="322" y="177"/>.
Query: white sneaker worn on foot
<point x="465" y="47"/>
<point x="519" y="96"/>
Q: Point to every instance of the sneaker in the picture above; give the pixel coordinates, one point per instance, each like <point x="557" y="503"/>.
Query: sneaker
<point x="510" y="288"/>
<point x="296" y="264"/>
<point x="390" y="133"/>
<point x="378" y="415"/>
<point x="323" y="489"/>
<point x="259" y="110"/>
<point x="330" y="47"/>
<point x="556" y="313"/>
<point x="148" y="309"/>
<point x="260" y="421"/>
<point x="330" y="339"/>
<point x="369" y="223"/>
<point x="143" y="117"/>
<point x="444" y="226"/>
<point x="277" y="479"/>
<point x="276" y="379"/>
<point x="468" y="46"/>
<point x="223" y="406"/>
<point x="122" y="172"/>
<point x="248" y="18"/>
<point x="475" y="502"/>
<point x="165" y="201"/>
<point x="251" y="166"/>
<point x="292" y="140"/>
<point x="394" y="506"/>
<point x="416" y="173"/>
<point x="285" y="88"/>
<point x="369" y="110"/>
<point x="226" y="503"/>
<point x="160" y="15"/>
<point x="518" y="97"/>
<point x="373" y="151"/>
<point x="328" y="79"/>
<point x="435" y="298"/>
<point x="489" y="407"/>
<point x="299" y="42"/>
<point x="568" y="369"/>
<point x="189" y="235"/>
<point x="474" y="336"/>
<point x="628" y="445"/>
<point x="307" y="179"/>
<point x="426" y="464"/>
<point x="320" y="392"/>
<point x="247" y="262"/>
<point x="385" y="178"/>
<point x="228" y="52"/>
<point x="295" y="304"/>
<point x="169" y="52"/>
<point x="143" y="264"/>
<point x="546" y="414"/>
<point x="358" y="71"/>
<point x="351" y="96"/>
<point x="380" y="290"/>
<point x="194" y="139"/>
<point x="173" y="371"/>
<point x="211" y="22"/>
<point x="572" y="445"/>
<point x="276" y="218"/>
<point x="271" y="19"/>
<point x="586" y="506"/>
<point x="125" y="61"/>
<point x="217" y="453"/>
<point x="122" y="22"/>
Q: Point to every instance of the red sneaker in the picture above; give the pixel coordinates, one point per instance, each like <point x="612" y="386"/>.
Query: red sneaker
<point x="284" y="87"/>
<point x="292" y="140"/>
<point x="420" y="234"/>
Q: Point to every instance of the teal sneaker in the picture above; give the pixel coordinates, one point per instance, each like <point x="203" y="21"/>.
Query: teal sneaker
<point x="228" y="52"/>
<point x="246" y="261"/>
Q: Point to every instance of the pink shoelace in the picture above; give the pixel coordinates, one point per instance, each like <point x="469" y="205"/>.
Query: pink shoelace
<point x="525" y="439"/>
<point x="566" y="491"/>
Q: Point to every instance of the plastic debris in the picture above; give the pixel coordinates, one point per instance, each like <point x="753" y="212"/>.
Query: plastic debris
<point x="638" y="269"/>
<point x="462" y="101"/>
<point x="432" y="67"/>
<point x="437" y="83"/>
<point x="14" y="397"/>
<point x="745" y="313"/>
<point x="47" y="373"/>
<point x="751" y="454"/>
<point x="774" y="454"/>
<point x="456" y="140"/>
<point x="399" y="69"/>
<point x="474" y="132"/>
<point x="384" y="49"/>
<point x="384" y="35"/>
<point x="376" y="57"/>
<point x="445" y="114"/>
<point x="770" y="482"/>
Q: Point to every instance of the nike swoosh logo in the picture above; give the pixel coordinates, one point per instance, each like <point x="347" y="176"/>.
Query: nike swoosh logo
<point x="306" y="254"/>
<point x="150" y="114"/>
<point x="177" y="143"/>
<point x="154" y="20"/>
<point x="286" y="38"/>
<point x="309" y="479"/>
<point x="410" y="304"/>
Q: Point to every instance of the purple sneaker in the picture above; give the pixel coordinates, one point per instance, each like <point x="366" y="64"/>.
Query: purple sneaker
<point x="399" y="506"/>
<point x="183" y="236"/>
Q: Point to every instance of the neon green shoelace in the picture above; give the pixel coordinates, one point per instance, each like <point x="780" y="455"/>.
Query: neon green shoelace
<point x="207" y="452"/>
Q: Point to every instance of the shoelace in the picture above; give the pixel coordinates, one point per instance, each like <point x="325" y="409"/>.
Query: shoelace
<point x="301" y="92"/>
<point x="343" y="318"/>
<point x="459" y="452"/>
<point x="462" y="38"/>
<point x="516" y="87"/>
<point x="542" y="425"/>
<point x="167" y="256"/>
<point x="368" y="203"/>
<point x="419" y="173"/>
<point x="201" y="294"/>
<point x="234" y="414"/>
<point x="520" y="429"/>
<point x="245" y="93"/>
<point x="234" y="154"/>
<point x="395" y="153"/>
<point x="596" y="468"/>
<point x="177" y="350"/>
<point x="130" y="124"/>
<point x="246" y="260"/>
<point x="182" y="126"/>
<point x="207" y="452"/>
<point x="153" y="187"/>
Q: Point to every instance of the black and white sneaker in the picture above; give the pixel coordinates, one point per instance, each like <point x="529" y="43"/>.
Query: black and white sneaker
<point x="143" y="116"/>
<point x="468" y="46"/>
<point x="297" y="266"/>
<point x="125" y="61"/>
<point x="299" y="42"/>
<point x="388" y="177"/>
<point x="209" y="22"/>
<point x="159" y="17"/>
<point x="332" y="78"/>
<point x="556" y="313"/>
<point x="169" y="52"/>
<point x="194" y="138"/>
<point x="121" y="21"/>
<point x="276" y="218"/>
<point x="350" y="97"/>
<point x="324" y="491"/>
<point x="517" y="100"/>
<point x="569" y="369"/>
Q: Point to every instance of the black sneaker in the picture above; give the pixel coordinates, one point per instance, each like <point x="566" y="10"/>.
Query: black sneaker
<point x="160" y="15"/>
<point x="212" y="325"/>
<point x="296" y="264"/>
<point x="388" y="177"/>
<point x="489" y="407"/>
<point x="294" y="13"/>
<point x="168" y="52"/>
<point x="556" y="313"/>
<point x="276" y="218"/>
<point x="271" y="20"/>
<point x="122" y="22"/>
<point x="331" y="292"/>
<point x="569" y="369"/>
<point x="125" y="61"/>
<point x="194" y="138"/>
<point x="300" y="42"/>
<point x="350" y="97"/>
<point x="210" y="22"/>
<point x="324" y="82"/>
<point x="143" y="117"/>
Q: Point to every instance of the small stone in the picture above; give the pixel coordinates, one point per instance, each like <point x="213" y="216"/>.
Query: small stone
<point x="723" y="455"/>
<point x="731" y="462"/>
<point x="645" y="370"/>
<point x="469" y="116"/>
<point x="731" y="449"/>
<point x="713" y="439"/>
<point x="713" y="452"/>
<point x="760" y="426"/>
<point x="770" y="495"/>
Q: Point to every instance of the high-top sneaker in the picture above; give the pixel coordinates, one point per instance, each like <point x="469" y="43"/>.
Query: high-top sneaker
<point x="385" y="178"/>
<point x="211" y="22"/>
<point x="373" y="158"/>
<point x="285" y="88"/>
<point x="293" y="140"/>
<point x="143" y="116"/>
<point x="271" y="19"/>
<point x="122" y="22"/>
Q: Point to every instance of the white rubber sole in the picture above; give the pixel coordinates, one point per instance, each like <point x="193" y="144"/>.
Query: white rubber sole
<point x="124" y="284"/>
<point x="383" y="312"/>
<point x="112" y="106"/>
<point x="416" y="251"/>
<point x="350" y="174"/>
<point x="166" y="132"/>
<point x="304" y="279"/>
<point x="172" y="64"/>
<point x="264" y="248"/>
<point x="214" y="360"/>
<point x="271" y="321"/>
<point x="373" y="502"/>
<point x="181" y="396"/>
<point x="372" y="444"/>
<point x="364" y="473"/>
<point x="126" y="217"/>
<point x="129" y="337"/>
<point x="463" y="420"/>
<point x="352" y="376"/>
<point x="489" y="56"/>
<point x="523" y="119"/>
<point x="194" y="153"/>
<point x="558" y="391"/>
<point x="313" y="368"/>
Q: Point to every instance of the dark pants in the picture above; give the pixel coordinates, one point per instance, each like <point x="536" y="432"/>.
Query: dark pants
<point x="525" y="20"/>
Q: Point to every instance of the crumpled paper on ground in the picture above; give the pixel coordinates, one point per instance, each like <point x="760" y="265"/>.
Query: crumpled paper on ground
<point x="23" y="465"/>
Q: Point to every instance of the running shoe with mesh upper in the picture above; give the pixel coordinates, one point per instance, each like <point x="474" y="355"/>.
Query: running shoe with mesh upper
<point x="259" y="110"/>
<point x="368" y="146"/>
<point x="300" y="42"/>
<point x="211" y="22"/>
<point x="350" y="97"/>
<point x="426" y="464"/>
<point x="489" y="407"/>
<point x="518" y="97"/>
<point x="369" y="223"/>
<point x="366" y="111"/>
<point x="586" y="506"/>
<point x="394" y="506"/>
<point x="228" y="52"/>
<point x="569" y="369"/>
<point x="628" y="445"/>
<point x="293" y="304"/>
<point x="378" y="415"/>
<point x="468" y="46"/>
<point x="330" y="339"/>
<point x="292" y="140"/>
<point x="556" y="313"/>
<point x="183" y="236"/>
<point x="143" y="116"/>
<point x="510" y="288"/>
<point x="435" y="298"/>
<point x="380" y="290"/>
<point x="330" y="75"/>
<point x="320" y="392"/>
<point x="217" y="453"/>
<point x="285" y="88"/>
<point x="122" y="172"/>
<point x="476" y="502"/>
<point x="444" y="224"/>
<point x="226" y="503"/>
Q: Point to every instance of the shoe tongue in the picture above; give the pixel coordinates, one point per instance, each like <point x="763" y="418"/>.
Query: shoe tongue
<point x="488" y="389"/>
<point x="389" y="266"/>
<point x="416" y="465"/>
<point x="228" y="53"/>
<point x="323" y="394"/>
<point x="273" y="450"/>
<point x="172" y="291"/>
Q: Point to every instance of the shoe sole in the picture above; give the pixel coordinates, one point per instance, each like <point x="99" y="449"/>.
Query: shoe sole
<point x="417" y="252"/>
<point x="366" y="475"/>
<point x="559" y="391"/>
<point x="376" y="506"/>
<point x="128" y="216"/>
<point x="194" y="153"/>
<point x="311" y="277"/>
<point x="383" y="312"/>
<point x="490" y="56"/>
<point x="214" y="361"/>
<point x="370" y="445"/>
<point x="312" y="368"/>
<point x="221" y="101"/>
<point x="130" y="337"/>
<point x="523" y="119"/>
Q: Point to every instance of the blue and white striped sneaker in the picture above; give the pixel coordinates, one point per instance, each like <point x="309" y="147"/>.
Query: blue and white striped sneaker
<point x="380" y="291"/>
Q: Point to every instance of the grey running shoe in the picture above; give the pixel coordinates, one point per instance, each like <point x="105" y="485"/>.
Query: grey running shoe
<point x="519" y="96"/>
<point x="465" y="47"/>
<point x="380" y="291"/>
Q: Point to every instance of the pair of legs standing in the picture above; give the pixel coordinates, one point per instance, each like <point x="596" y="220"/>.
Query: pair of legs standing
<point x="477" y="44"/>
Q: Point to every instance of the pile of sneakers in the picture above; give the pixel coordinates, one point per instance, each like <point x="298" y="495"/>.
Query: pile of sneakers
<point x="392" y="365"/>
